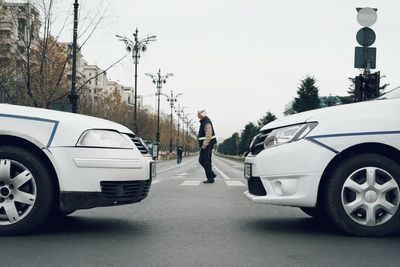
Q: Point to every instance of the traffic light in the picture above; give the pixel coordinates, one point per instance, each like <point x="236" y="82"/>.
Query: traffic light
<point x="358" y="88"/>
<point x="366" y="86"/>
<point x="371" y="85"/>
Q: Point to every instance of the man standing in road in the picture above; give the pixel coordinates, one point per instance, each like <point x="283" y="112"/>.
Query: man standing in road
<point x="179" y="152"/>
<point x="207" y="140"/>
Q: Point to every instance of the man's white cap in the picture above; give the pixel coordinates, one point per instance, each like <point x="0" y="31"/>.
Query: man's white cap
<point x="203" y="112"/>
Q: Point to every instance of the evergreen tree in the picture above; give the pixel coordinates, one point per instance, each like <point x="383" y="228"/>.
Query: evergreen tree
<point x="269" y="116"/>
<point x="247" y="134"/>
<point x="307" y="95"/>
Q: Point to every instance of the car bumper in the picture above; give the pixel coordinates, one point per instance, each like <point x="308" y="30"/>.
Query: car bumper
<point x="112" y="194"/>
<point x="288" y="174"/>
<point x="84" y="169"/>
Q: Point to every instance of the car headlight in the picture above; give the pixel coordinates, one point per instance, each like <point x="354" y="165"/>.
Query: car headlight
<point x="103" y="139"/>
<point x="288" y="134"/>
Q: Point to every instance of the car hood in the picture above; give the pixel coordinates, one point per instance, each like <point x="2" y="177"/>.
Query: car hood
<point x="64" y="118"/>
<point x="327" y="113"/>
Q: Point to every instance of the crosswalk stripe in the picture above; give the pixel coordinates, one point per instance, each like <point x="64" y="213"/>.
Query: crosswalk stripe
<point x="155" y="181"/>
<point x="222" y="174"/>
<point x="190" y="183"/>
<point x="234" y="183"/>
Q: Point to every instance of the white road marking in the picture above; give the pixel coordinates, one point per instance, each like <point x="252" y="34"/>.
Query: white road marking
<point x="237" y="166"/>
<point x="175" y="166"/>
<point x="183" y="174"/>
<point x="190" y="183"/>
<point x="234" y="183"/>
<point x="222" y="174"/>
<point x="155" y="181"/>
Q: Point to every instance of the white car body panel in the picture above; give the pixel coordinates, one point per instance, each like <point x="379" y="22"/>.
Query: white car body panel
<point x="291" y="173"/>
<point x="78" y="169"/>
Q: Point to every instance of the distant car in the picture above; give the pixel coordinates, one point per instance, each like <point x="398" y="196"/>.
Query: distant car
<point x="54" y="163"/>
<point x="342" y="162"/>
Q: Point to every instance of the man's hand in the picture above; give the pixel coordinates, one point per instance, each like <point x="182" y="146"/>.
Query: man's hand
<point x="203" y="147"/>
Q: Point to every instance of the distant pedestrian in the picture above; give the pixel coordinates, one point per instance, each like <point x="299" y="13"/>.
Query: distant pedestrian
<point x="207" y="140"/>
<point x="179" y="152"/>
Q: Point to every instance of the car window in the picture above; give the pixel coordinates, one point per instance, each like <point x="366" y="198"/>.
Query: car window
<point x="393" y="94"/>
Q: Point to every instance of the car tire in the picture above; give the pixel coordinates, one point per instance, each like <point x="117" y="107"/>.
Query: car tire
<point x="27" y="191"/>
<point x="362" y="195"/>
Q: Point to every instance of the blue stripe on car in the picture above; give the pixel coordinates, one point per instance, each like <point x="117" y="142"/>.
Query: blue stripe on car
<point x="313" y="138"/>
<point x="36" y="119"/>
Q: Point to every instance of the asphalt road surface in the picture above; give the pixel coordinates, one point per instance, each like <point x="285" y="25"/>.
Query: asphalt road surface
<point x="184" y="222"/>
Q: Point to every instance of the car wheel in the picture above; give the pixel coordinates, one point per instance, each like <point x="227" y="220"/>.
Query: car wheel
<point x="27" y="191"/>
<point x="362" y="195"/>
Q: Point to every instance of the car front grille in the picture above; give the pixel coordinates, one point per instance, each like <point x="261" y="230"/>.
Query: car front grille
<point x="139" y="144"/>
<point x="258" y="144"/>
<point x="125" y="189"/>
<point x="256" y="187"/>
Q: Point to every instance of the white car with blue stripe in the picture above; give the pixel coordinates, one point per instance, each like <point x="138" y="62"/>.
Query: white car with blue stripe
<point x="53" y="163"/>
<point x="340" y="163"/>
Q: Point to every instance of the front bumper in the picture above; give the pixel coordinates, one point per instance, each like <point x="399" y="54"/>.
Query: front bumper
<point x="83" y="169"/>
<point x="288" y="174"/>
<point x="112" y="194"/>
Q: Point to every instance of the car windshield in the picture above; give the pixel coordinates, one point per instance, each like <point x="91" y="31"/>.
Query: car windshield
<point x="393" y="94"/>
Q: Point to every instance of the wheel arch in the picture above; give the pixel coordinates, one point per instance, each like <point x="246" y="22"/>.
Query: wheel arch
<point x="377" y="148"/>
<point x="34" y="147"/>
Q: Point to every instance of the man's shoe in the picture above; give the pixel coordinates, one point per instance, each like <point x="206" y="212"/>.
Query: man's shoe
<point x="208" y="181"/>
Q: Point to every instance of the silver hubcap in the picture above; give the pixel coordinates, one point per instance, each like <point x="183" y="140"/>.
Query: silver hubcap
<point x="370" y="196"/>
<point x="17" y="191"/>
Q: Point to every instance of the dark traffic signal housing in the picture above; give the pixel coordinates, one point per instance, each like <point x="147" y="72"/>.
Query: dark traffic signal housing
<point x="367" y="86"/>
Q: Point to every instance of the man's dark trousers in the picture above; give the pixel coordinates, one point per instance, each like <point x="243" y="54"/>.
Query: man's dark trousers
<point x="205" y="161"/>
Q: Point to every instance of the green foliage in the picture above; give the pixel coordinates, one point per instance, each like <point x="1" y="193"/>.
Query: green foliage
<point x="269" y="116"/>
<point x="307" y="95"/>
<point x="247" y="134"/>
<point x="237" y="145"/>
<point x="230" y="145"/>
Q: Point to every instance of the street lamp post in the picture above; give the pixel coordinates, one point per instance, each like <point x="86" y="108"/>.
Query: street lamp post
<point x="158" y="79"/>
<point x="136" y="47"/>
<point x="172" y="100"/>
<point x="73" y="97"/>
<point x="185" y="121"/>
<point x="181" y="115"/>
<point x="178" y="114"/>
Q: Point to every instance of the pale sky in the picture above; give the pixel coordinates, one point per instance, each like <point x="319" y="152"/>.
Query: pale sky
<point x="239" y="58"/>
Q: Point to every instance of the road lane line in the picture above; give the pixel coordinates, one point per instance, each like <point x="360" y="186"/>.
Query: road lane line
<point x="176" y="166"/>
<point x="222" y="174"/>
<point x="190" y="183"/>
<point x="234" y="183"/>
<point x="155" y="181"/>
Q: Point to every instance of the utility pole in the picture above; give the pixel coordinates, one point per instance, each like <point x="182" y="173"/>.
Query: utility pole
<point x="172" y="100"/>
<point x="159" y="80"/>
<point x="136" y="47"/>
<point x="73" y="97"/>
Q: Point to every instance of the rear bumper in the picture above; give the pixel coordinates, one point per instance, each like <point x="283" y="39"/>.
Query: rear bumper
<point x="112" y="194"/>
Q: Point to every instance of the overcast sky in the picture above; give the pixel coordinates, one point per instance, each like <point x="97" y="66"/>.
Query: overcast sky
<point x="239" y="58"/>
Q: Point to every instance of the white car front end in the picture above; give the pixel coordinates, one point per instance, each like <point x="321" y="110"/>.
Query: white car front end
<point x="75" y="161"/>
<point x="301" y="159"/>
